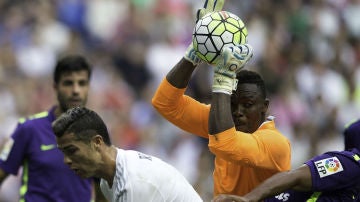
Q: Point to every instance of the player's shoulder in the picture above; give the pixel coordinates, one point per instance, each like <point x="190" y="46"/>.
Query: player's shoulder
<point x="353" y="153"/>
<point x="135" y="155"/>
<point x="135" y="158"/>
<point x="351" y="157"/>
<point x="268" y="127"/>
<point x="34" y="121"/>
<point x="353" y="124"/>
<point x="269" y="124"/>
<point x="40" y="116"/>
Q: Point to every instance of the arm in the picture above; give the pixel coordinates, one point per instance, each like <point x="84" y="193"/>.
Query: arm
<point x="179" y="109"/>
<point x="180" y="75"/>
<point x="229" y="198"/>
<point x="220" y="117"/>
<point x="224" y="83"/>
<point x="299" y="179"/>
<point x="3" y="176"/>
<point x="170" y="102"/>
<point x="266" y="148"/>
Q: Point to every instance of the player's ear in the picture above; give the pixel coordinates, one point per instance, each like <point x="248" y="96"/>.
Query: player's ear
<point x="97" y="141"/>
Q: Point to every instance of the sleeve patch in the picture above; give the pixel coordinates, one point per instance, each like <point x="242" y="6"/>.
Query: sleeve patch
<point x="5" y="151"/>
<point x="329" y="166"/>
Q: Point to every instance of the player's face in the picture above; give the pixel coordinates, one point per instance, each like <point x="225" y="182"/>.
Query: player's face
<point x="80" y="156"/>
<point x="72" y="89"/>
<point x="248" y="108"/>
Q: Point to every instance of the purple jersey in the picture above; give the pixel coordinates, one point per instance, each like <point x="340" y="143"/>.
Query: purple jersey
<point x="45" y="177"/>
<point x="335" y="177"/>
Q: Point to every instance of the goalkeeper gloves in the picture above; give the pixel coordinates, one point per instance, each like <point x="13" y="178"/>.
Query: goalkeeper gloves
<point x="233" y="59"/>
<point x="191" y="56"/>
<point x="209" y="6"/>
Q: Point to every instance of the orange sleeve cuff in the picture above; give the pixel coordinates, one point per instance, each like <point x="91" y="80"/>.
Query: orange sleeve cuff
<point x="222" y="136"/>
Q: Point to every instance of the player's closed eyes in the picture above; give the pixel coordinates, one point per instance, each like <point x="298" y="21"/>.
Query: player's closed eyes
<point x="69" y="151"/>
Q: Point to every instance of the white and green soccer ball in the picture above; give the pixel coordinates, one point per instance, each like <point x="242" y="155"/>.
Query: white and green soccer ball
<point x="216" y="30"/>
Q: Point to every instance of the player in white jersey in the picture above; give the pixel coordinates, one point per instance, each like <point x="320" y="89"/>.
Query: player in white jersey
<point x="126" y="175"/>
<point x="141" y="177"/>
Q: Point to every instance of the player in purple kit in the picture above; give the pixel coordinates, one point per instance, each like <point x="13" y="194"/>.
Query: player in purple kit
<point x="332" y="176"/>
<point x="32" y="146"/>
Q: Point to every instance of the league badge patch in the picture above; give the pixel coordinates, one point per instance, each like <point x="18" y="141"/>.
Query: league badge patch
<point x="329" y="166"/>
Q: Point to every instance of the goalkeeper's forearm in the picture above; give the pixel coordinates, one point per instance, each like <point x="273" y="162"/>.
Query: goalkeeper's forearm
<point x="180" y="74"/>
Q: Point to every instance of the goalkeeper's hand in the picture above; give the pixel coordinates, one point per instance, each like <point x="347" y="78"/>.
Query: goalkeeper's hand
<point x="233" y="59"/>
<point x="209" y="6"/>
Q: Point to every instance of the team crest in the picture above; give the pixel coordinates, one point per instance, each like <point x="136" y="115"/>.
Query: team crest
<point x="329" y="166"/>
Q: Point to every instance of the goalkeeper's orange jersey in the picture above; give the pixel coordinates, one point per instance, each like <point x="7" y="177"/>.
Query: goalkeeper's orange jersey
<point x="242" y="160"/>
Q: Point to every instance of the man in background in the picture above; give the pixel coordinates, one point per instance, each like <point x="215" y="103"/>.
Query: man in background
<point x="32" y="146"/>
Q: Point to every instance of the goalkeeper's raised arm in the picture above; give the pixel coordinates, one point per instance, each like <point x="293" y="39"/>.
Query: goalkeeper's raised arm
<point x="248" y="147"/>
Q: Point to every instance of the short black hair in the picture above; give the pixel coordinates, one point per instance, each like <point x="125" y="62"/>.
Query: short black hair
<point x="71" y="63"/>
<point x="352" y="135"/>
<point x="247" y="76"/>
<point x="83" y="122"/>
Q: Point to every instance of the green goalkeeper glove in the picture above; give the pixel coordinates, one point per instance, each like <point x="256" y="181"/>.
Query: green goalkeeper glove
<point x="233" y="59"/>
<point x="209" y="6"/>
<point x="191" y="56"/>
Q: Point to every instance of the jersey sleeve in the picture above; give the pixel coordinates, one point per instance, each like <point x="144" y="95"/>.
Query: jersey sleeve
<point x="265" y="148"/>
<point x="181" y="110"/>
<point x="334" y="171"/>
<point x="13" y="153"/>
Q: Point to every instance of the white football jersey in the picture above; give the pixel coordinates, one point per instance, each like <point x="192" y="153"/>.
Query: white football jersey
<point x="143" y="178"/>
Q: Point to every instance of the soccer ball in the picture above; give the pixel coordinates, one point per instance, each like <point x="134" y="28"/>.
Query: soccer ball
<point x="216" y="30"/>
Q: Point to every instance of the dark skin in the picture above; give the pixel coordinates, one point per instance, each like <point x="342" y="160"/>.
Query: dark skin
<point x="245" y="109"/>
<point x="180" y="75"/>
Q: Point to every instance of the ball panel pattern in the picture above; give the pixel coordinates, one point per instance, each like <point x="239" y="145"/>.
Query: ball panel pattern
<point x="216" y="30"/>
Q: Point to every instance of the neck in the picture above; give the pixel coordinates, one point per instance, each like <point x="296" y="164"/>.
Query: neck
<point x="109" y="164"/>
<point x="58" y="111"/>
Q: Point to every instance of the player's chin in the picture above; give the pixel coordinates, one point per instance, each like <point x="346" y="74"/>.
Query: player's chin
<point x="242" y="128"/>
<point x="82" y="174"/>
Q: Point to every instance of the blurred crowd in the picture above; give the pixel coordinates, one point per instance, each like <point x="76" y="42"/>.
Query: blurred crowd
<point x="308" y="52"/>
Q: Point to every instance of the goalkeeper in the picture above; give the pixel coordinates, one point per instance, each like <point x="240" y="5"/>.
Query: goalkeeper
<point x="247" y="146"/>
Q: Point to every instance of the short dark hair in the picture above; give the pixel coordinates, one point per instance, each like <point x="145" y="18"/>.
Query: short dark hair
<point x="247" y="76"/>
<point x="71" y="63"/>
<point x="352" y="135"/>
<point x="83" y="122"/>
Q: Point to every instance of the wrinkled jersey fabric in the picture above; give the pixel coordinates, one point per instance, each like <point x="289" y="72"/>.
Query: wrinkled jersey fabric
<point x="141" y="177"/>
<point x="242" y="160"/>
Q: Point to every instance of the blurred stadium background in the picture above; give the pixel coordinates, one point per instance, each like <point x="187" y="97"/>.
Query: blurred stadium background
<point x="308" y="52"/>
